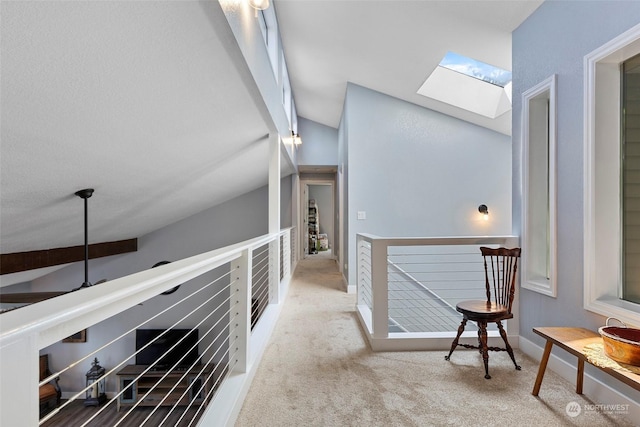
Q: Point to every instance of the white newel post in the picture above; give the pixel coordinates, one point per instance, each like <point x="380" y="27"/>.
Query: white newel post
<point x="241" y="308"/>
<point x="379" y="288"/>
<point x="274" y="218"/>
<point x="19" y="382"/>
<point x="274" y="271"/>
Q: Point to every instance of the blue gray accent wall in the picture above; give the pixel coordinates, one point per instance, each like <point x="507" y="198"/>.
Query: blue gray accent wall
<point x="554" y="40"/>
<point x="417" y="172"/>
<point x="319" y="144"/>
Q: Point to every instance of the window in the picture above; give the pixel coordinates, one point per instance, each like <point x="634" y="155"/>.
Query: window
<point x="269" y="29"/>
<point x="539" y="187"/>
<point x="263" y="27"/>
<point x="287" y="96"/>
<point x="631" y="179"/>
<point x="605" y="243"/>
<point x="476" y="69"/>
<point x="469" y="84"/>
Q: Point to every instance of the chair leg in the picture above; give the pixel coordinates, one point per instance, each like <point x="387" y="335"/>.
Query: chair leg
<point x="454" y="344"/>
<point x="503" y="334"/>
<point x="484" y="348"/>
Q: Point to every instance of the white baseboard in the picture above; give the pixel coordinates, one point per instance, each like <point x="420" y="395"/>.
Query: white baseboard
<point x="594" y="389"/>
<point x="351" y="289"/>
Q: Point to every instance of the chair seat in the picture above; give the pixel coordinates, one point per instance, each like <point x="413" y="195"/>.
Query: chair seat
<point x="478" y="309"/>
<point x="47" y="392"/>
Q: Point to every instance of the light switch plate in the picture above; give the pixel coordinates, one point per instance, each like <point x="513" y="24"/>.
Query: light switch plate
<point x="362" y="215"/>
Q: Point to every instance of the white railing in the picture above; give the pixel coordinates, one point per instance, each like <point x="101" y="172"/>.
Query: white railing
<point x="234" y="289"/>
<point x="408" y="288"/>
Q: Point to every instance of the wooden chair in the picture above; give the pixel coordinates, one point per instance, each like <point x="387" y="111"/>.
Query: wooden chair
<point x="500" y="266"/>
<point x="50" y="391"/>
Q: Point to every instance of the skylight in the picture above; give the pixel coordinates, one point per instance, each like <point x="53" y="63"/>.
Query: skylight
<point x="471" y="85"/>
<point x="476" y="69"/>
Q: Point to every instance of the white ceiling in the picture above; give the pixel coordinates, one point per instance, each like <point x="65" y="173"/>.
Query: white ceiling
<point x="390" y="46"/>
<point x="140" y="100"/>
<point x="146" y="102"/>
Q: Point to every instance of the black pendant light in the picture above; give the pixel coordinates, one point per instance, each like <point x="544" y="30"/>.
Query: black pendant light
<point x="85" y="194"/>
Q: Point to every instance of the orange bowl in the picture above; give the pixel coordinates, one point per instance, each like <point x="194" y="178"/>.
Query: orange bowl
<point x="621" y="344"/>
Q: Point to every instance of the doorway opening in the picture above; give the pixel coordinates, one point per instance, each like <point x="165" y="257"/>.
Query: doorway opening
<point x="319" y="217"/>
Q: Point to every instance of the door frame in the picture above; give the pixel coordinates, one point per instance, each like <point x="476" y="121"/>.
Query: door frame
<point x="304" y="218"/>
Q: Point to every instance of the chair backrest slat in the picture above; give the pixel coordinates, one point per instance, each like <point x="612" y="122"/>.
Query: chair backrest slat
<point x="500" y="267"/>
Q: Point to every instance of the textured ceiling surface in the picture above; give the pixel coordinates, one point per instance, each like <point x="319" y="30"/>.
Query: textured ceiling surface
<point x="391" y="47"/>
<point x="139" y="100"/>
<point x="144" y="102"/>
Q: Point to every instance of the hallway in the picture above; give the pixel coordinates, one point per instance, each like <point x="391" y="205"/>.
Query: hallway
<point x="319" y="371"/>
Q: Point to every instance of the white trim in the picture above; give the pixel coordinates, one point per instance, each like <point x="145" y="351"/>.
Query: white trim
<point x="593" y="389"/>
<point x="542" y="285"/>
<point x="602" y="239"/>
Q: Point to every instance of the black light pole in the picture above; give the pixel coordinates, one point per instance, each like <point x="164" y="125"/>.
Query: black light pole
<point x="85" y="194"/>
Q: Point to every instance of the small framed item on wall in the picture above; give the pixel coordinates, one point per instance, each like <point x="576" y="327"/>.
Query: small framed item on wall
<point x="77" y="337"/>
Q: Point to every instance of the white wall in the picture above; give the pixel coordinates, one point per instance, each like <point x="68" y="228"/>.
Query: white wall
<point x="248" y="37"/>
<point x="416" y="172"/>
<point x="554" y="40"/>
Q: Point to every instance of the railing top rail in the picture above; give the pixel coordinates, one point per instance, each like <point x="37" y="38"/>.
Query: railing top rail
<point x="91" y="305"/>
<point x="444" y="240"/>
<point x="284" y="230"/>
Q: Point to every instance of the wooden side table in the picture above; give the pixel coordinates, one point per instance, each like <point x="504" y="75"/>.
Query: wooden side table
<point x="574" y="340"/>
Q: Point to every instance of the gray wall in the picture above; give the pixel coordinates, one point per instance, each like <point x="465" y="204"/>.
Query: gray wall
<point x="554" y="40"/>
<point x="417" y="172"/>
<point x="236" y="220"/>
<point x="286" y="202"/>
<point x="342" y="191"/>
<point x="319" y="144"/>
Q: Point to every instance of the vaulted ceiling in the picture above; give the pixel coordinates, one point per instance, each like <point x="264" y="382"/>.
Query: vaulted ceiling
<point x="147" y="103"/>
<point x="139" y="100"/>
<point x="391" y="47"/>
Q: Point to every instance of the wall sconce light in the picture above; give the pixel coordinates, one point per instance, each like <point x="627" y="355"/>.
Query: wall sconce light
<point x="484" y="210"/>
<point x="296" y="138"/>
<point x="259" y="5"/>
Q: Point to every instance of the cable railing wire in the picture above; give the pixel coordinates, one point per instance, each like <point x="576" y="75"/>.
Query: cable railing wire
<point x="189" y="390"/>
<point x="188" y="371"/>
<point x="147" y="345"/>
<point x="55" y="411"/>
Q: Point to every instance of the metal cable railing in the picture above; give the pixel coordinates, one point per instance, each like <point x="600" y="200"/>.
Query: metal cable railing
<point x="364" y="274"/>
<point x="211" y="312"/>
<point x="409" y="287"/>
<point x="282" y="252"/>
<point x="260" y="283"/>
<point x="200" y="334"/>
<point x="426" y="283"/>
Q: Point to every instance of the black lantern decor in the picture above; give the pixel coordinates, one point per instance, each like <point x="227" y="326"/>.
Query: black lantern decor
<point x="95" y="393"/>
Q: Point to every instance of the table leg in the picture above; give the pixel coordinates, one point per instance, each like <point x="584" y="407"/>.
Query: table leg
<point x="542" y="368"/>
<point x="580" y="377"/>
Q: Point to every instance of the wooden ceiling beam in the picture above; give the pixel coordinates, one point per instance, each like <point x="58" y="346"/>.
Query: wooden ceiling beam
<point x="24" y="261"/>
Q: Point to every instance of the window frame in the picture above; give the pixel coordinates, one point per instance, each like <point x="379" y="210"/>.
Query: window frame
<point x="547" y="285"/>
<point x="602" y="257"/>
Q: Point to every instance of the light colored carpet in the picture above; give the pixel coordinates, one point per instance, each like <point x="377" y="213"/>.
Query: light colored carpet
<point x="319" y="371"/>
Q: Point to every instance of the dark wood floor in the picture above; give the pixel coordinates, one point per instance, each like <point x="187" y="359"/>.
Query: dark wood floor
<point x="76" y="414"/>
